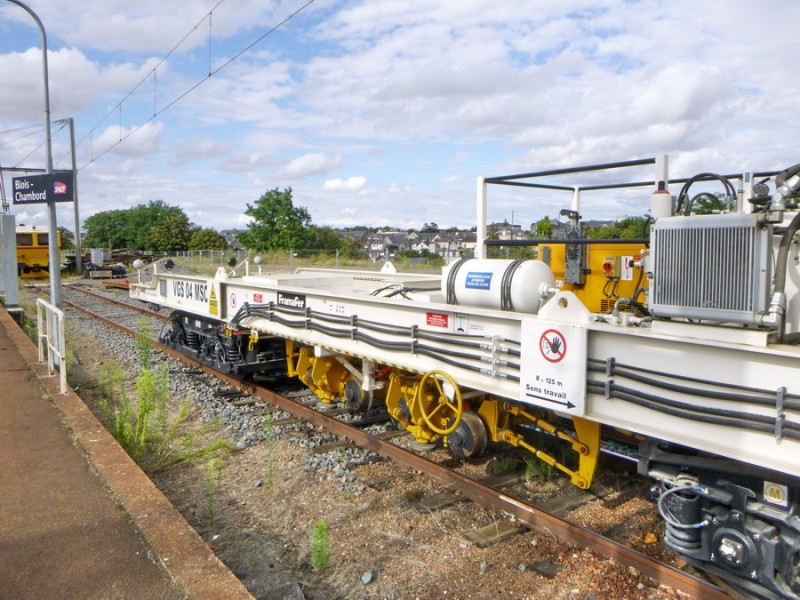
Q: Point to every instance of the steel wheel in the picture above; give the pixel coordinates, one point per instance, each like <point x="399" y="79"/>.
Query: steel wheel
<point x="356" y="399"/>
<point x="469" y="438"/>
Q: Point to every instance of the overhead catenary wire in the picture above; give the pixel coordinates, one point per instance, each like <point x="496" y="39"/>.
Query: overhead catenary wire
<point x="152" y="74"/>
<point x="37" y="147"/>
<point x="34" y="130"/>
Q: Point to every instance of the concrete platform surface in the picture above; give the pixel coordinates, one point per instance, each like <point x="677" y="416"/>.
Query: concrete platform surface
<point x="78" y="518"/>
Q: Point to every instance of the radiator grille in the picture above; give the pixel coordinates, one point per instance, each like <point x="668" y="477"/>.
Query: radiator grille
<point x="710" y="267"/>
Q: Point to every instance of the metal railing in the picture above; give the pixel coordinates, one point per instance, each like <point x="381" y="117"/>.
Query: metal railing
<point x="50" y="328"/>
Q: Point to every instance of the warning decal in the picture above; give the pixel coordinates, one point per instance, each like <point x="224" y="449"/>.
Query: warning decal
<point x="213" y="305"/>
<point x="553" y="369"/>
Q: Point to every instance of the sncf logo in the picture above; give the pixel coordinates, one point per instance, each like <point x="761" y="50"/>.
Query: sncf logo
<point x="59" y="187"/>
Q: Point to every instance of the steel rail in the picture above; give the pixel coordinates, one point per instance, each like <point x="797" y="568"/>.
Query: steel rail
<point x="145" y="311"/>
<point x="535" y="518"/>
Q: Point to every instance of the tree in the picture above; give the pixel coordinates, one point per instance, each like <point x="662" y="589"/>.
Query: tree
<point x="143" y="218"/>
<point x="324" y="238"/>
<point x="706" y="203"/>
<point x="132" y="228"/>
<point x="207" y="239"/>
<point x="277" y="224"/>
<point x="429" y="228"/>
<point x="107" y="230"/>
<point x="544" y="228"/>
<point x="170" y="234"/>
<point x="353" y="250"/>
<point x="625" y="229"/>
<point x="67" y="239"/>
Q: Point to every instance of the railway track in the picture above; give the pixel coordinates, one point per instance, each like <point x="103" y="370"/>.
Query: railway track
<point x="109" y="308"/>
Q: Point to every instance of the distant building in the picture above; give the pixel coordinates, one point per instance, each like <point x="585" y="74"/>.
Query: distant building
<point x="232" y="237"/>
<point x="508" y="231"/>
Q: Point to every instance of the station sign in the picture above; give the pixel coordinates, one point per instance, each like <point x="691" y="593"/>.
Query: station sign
<point x="40" y="189"/>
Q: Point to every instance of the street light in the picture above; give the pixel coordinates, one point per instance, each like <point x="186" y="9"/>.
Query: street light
<point x="55" y="272"/>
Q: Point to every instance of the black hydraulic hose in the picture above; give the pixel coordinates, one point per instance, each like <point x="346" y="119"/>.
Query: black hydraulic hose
<point x="505" y="284"/>
<point x="684" y="193"/>
<point x="703" y="410"/>
<point x="638" y="290"/>
<point x="451" y="280"/>
<point x="640" y="307"/>
<point x="405" y="289"/>
<point x="779" y="283"/>
<point x="693" y="391"/>
<point x="310" y="320"/>
<point x="265" y="312"/>
<point x="435" y="337"/>
<point x="792" y="338"/>
<point x="708" y="195"/>
<point x="704" y="415"/>
<point x="449" y="361"/>
<point x="781" y="177"/>
<point x="598" y="365"/>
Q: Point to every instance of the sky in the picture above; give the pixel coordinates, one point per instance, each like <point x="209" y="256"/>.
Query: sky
<point x="386" y="112"/>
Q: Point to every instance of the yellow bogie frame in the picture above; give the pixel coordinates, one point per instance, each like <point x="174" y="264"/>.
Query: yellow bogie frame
<point x="431" y="407"/>
<point x="324" y="375"/>
<point x="423" y="406"/>
<point x="500" y="419"/>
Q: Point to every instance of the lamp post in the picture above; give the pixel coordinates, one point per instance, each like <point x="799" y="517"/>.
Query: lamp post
<point x="78" y="249"/>
<point x="55" y="272"/>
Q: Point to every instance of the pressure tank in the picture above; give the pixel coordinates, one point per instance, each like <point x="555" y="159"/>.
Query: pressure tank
<point x="502" y="284"/>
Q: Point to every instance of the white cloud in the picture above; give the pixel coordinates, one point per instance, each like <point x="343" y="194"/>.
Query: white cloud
<point x="194" y="149"/>
<point x="315" y="163"/>
<point x="418" y="97"/>
<point x="351" y="184"/>
<point x="128" y="142"/>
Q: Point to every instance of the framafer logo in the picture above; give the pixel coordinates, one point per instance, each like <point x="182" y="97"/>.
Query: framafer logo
<point x="59" y="187"/>
<point x="292" y="300"/>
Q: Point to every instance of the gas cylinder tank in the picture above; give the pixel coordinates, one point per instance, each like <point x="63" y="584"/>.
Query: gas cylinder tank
<point x="513" y="285"/>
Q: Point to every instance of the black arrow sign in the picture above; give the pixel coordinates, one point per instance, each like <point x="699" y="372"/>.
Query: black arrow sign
<point x="567" y="404"/>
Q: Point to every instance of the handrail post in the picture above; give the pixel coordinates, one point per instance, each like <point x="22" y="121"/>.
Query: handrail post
<point x="50" y="327"/>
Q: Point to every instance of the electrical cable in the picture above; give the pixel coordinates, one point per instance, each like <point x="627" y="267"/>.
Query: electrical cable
<point x="157" y="112"/>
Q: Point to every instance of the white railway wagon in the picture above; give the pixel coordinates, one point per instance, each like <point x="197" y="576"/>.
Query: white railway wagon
<point x="685" y="339"/>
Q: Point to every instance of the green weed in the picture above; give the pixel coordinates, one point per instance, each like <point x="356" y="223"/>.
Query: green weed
<point x="269" y="447"/>
<point x="69" y="361"/>
<point x="502" y="465"/>
<point x="213" y="479"/>
<point x="144" y="350"/>
<point x="144" y="428"/>
<point x="320" y="547"/>
<point x="537" y="470"/>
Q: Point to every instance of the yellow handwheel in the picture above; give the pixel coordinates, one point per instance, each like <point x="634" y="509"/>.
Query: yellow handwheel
<point x="450" y="409"/>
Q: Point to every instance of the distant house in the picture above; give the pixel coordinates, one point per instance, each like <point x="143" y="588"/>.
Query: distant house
<point x="359" y="236"/>
<point x="508" y="231"/>
<point x="381" y="245"/>
<point x="232" y="237"/>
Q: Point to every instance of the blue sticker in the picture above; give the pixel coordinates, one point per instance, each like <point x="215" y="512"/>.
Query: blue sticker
<point x="478" y="281"/>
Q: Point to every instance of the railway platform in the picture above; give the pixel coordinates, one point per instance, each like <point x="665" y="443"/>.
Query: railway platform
<point x="78" y="518"/>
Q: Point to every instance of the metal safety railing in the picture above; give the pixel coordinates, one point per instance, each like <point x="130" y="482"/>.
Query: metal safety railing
<point x="50" y="327"/>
